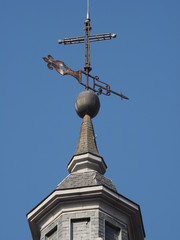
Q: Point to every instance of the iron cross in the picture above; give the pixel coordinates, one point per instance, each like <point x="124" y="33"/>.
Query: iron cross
<point x="96" y="84"/>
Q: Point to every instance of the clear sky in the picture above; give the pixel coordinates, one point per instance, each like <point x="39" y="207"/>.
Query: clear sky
<point x="139" y="139"/>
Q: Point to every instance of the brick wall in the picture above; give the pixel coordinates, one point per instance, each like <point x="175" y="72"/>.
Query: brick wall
<point x="111" y="232"/>
<point x="74" y="226"/>
<point x="111" y="229"/>
<point x="85" y="225"/>
<point x="80" y="229"/>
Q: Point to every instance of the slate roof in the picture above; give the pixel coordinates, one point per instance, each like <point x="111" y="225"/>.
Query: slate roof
<point x="86" y="179"/>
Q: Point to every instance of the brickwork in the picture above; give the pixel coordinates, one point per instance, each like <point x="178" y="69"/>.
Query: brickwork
<point x="85" y="225"/>
<point x="80" y="229"/>
<point x="124" y="234"/>
<point x="50" y="233"/>
<point x="75" y="226"/>
<point x="111" y="232"/>
<point x="105" y="221"/>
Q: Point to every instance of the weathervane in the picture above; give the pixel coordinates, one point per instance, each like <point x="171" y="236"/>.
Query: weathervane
<point x="97" y="85"/>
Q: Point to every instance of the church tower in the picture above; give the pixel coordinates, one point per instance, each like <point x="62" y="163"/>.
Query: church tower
<point x="86" y="204"/>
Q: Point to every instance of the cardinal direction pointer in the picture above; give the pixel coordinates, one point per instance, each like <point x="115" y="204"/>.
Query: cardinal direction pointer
<point x="95" y="84"/>
<point x="62" y="68"/>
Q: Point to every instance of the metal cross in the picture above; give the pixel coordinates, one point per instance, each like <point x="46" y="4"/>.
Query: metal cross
<point x="96" y="85"/>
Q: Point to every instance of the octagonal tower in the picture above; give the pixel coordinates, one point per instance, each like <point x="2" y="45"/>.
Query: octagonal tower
<point x="86" y="204"/>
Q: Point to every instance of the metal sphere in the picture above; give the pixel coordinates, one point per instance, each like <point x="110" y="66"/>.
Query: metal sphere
<point x="87" y="103"/>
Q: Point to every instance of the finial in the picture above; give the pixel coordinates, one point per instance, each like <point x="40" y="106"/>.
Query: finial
<point x="87" y="103"/>
<point x="88" y="13"/>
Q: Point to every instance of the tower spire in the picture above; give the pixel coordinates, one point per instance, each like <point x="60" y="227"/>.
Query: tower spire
<point x="87" y="106"/>
<point x="86" y="157"/>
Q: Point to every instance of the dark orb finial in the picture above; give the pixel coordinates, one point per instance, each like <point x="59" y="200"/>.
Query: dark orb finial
<point x="87" y="103"/>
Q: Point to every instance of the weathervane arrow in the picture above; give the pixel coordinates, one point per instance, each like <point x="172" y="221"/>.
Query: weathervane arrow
<point x="59" y="65"/>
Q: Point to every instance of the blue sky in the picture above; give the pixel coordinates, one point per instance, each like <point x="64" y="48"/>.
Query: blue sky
<point x="39" y="128"/>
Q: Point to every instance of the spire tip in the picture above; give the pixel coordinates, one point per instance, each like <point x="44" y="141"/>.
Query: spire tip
<point x="88" y="14"/>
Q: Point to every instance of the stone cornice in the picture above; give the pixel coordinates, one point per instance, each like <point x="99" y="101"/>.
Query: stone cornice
<point x="88" y="194"/>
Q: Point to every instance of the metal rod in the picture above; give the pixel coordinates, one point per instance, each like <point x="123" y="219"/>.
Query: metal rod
<point x="105" y="86"/>
<point x="87" y="67"/>
<point x="95" y="78"/>
<point x="88" y="12"/>
<point x="92" y="38"/>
